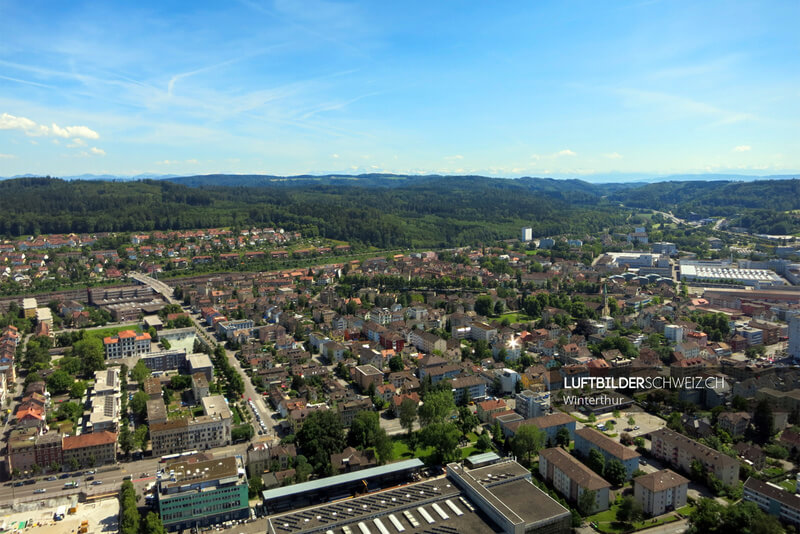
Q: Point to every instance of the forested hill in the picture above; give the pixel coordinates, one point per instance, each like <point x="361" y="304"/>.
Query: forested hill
<point x="429" y="211"/>
<point x="764" y="206"/>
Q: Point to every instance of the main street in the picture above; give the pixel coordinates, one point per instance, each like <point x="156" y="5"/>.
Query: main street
<point x="249" y="390"/>
<point x="106" y="479"/>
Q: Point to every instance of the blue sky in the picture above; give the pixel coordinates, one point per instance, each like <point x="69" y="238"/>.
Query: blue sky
<point x="587" y="89"/>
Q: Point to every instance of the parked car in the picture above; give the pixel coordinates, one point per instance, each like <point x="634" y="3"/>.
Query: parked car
<point x="39" y="490"/>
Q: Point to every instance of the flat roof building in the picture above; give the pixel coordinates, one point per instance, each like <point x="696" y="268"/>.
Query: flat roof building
<point x="202" y="493"/>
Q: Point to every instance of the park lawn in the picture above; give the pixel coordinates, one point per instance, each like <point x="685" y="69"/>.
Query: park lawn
<point x="472" y="437"/>
<point x="516" y="317"/>
<point x="237" y="415"/>
<point x="466" y="452"/>
<point x="401" y="451"/>
<point x="606" y="521"/>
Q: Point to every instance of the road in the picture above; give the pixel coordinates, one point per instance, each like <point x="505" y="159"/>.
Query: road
<point x="109" y="476"/>
<point x="249" y="390"/>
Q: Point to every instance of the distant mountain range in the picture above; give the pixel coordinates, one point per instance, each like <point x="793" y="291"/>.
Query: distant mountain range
<point x="393" y="180"/>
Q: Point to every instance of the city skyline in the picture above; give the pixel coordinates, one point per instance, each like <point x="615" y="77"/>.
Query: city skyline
<point x="546" y="89"/>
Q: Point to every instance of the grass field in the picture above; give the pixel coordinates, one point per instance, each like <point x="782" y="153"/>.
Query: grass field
<point x="606" y="521"/>
<point x="516" y="317"/>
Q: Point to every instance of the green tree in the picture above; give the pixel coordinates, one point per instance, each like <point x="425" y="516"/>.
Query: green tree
<point x="77" y="389"/>
<point x="140" y="372"/>
<point x="562" y="437"/>
<point x="483" y="305"/>
<point x="125" y="439"/>
<point x="59" y="382"/>
<point x="140" y="437"/>
<point x="364" y="429"/>
<point x="466" y="420"/>
<point x="396" y="363"/>
<point x="152" y="524"/>
<point x="527" y="442"/>
<point x="763" y="422"/>
<point x="484" y="442"/>
<point x="138" y="403"/>
<point x="615" y="472"/>
<point x="322" y="435"/>
<point x="443" y="437"/>
<point x="90" y="352"/>
<point x="408" y="414"/>
<point x="596" y="461"/>
<point x="630" y="510"/>
<point x="587" y="502"/>
<point x="384" y="448"/>
<point x="437" y="407"/>
<point x="255" y="486"/>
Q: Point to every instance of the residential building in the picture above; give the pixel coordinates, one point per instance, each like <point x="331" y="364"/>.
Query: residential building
<point x="482" y="331"/>
<point x="530" y="404"/>
<point x="29" y="307"/>
<point x="366" y="375"/>
<point x="551" y="424"/>
<point x="90" y="450"/>
<point x="125" y="344"/>
<point x="166" y="360"/>
<point x="773" y="499"/>
<point x="200" y="387"/>
<point x="201" y="363"/>
<point x="527" y="234"/>
<point x="794" y="337"/>
<point x="588" y="438"/>
<point x="213" y="429"/>
<point x="660" y="492"/>
<point x="487" y="408"/>
<point x="468" y="387"/>
<point x="572" y="478"/>
<point x="202" y="493"/>
<point x="427" y="342"/>
<point x="735" y="423"/>
<point x="152" y="386"/>
<point x="351" y="459"/>
<point x="679" y="451"/>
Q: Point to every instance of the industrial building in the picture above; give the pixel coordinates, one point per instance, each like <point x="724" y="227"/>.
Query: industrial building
<point x="496" y="498"/>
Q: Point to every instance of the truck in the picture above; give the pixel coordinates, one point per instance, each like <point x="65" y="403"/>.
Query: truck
<point x="61" y="511"/>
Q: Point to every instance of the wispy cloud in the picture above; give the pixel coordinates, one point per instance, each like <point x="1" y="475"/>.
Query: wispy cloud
<point x="675" y="106"/>
<point x="613" y="155"/>
<point x="7" y="156"/>
<point x="454" y="158"/>
<point x="97" y="151"/>
<point x="29" y="127"/>
<point x="742" y="148"/>
<point x="565" y="152"/>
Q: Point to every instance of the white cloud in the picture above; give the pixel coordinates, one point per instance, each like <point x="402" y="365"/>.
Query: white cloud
<point x="97" y="151"/>
<point x="742" y="148"/>
<point x="178" y="162"/>
<point x="454" y="158"/>
<point x="7" y="156"/>
<point x="10" y="122"/>
<point x="613" y="155"/>
<point x="335" y="156"/>
<point x="565" y="152"/>
<point x="77" y="142"/>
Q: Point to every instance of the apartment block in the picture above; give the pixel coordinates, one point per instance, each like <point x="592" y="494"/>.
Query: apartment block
<point x="589" y="438"/>
<point x="679" y="451"/>
<point x="571" y="478"/>
<point x="661" y="491"/>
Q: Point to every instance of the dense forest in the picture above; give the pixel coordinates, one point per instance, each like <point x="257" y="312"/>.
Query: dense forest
<point x="435" y="211"/>
<point x="383" y="210"/>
